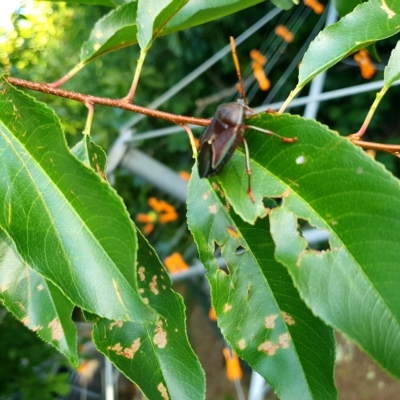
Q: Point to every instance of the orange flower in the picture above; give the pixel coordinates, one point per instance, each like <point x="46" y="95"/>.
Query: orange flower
<point x="211" y="314"/>
<point x="185" y="175"/>
<point x="258" y="57"/>
<point x="259" y="74"/>
<point x="284" y="33"/>
<point x="233" y="369"/>
<point x="318" y="8"/>
<point x="366" y="65"/>
<point x="175" y="263"/>
<point x="163" y="213"/>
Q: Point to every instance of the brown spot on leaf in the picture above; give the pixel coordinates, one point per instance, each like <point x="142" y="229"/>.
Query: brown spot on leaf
<point x="288" y="318"/>
<point x="160" y="338"/>
<point x="270" y="321"/>
<point x="284" y="340"/>
<point x="213" y="209"/>
<point x="57" y="331"/>
<point x="116" y="323"/>
<point x="163" y="390"/>
<point x="153" y="285"/>
<point x="128" y="352"/>
<point x="268" y="347"/>
<point x="141" y="290"/>
<point x="145" y="300"/>
<point x="26" y="320"/>
<point x="141" y="273"/>
<point x="242" y="344"/>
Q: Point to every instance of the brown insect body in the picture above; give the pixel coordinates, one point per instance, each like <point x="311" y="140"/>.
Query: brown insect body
<point x="221" y="138"/>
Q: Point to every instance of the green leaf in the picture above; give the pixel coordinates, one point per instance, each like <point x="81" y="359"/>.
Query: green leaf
<point x="115" y="30"/>
<point x="259" y="311"/>
<point x="334" y="185"/>
<point x="369" y="22"/>
<point x="37" y="303"/>
<point x="344" y="7"/>
<point x="392" y="70"/>
<point x="118" y="29"/>
<point x="285" y="4"/>
<point x="158" y="350"/>
<point x="91" y="154"/>
<point x="67" y="224"/>
<point x="106" y="3"/>
<point x="152" y="15"/>
<point x="202" y="11"/>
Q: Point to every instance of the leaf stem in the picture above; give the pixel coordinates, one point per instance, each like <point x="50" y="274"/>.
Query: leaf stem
<point x="89" y="119"/>
<point x="67" y="76"/>
<point x="139" y="65"/>
<point x="370" y="114"/>
<point x="291" y="96"/>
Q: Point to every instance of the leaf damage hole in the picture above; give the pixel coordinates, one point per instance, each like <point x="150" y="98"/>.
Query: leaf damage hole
<point x="272" y="202"/>
<point x="222" y="265"/>
<point x="317" y="239"/>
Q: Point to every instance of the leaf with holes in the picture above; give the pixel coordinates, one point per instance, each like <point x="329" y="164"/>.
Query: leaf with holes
<point x="369" y="22"/>
<point x="329" y="182"/>
<point x="37" y="303"/>
<point x="91" y="154"/>
<point x="158" y="350"/>
<point x="259" y="311"/>
<point x="67" y="224"/>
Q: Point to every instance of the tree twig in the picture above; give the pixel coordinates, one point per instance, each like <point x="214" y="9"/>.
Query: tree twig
<point x="117" y="103"/>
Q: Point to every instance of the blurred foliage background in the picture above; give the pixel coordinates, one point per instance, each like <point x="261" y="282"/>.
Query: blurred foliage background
<point x="45" y="44"/>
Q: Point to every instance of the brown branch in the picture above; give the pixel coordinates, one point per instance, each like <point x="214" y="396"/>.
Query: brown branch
<point x="104" y="101"/>
<point x="388" y="148"/>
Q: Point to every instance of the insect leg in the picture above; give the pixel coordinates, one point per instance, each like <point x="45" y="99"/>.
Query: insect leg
<point x="191" y="139"/>
<point x="248" y="170"/>
<point x="267" y="132"/>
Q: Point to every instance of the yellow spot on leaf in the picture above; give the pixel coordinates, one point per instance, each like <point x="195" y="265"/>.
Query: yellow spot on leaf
<point x="3" y="287"/>
<point x="163" y="390"/>
<point x="385" y="8"/>
<point x="227" y="307"/>
<point x="205" y="195"/>
<point x="57" y="331"/>
<point x="98" y="34"/>
<point x="26" y="320"/>
<point x="160" y="338"/>
<point x="40" y="287"/>
<point x="242" y="344"/>
<point x="145" y="300"/>
<point x="96" y="46"/>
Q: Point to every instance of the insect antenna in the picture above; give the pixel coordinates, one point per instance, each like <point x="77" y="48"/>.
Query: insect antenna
<point x="240" y="85"/>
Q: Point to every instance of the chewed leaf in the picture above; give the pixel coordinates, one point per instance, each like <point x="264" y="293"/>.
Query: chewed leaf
<point x="37" y="303"/>
<point x="161" y="349"/>
<point x="258" y="310"/>
<point x="369" y="22"/>
<point x="70" y="209"/>
<point x="329" y="182"/>
<point x="392" y="70"/>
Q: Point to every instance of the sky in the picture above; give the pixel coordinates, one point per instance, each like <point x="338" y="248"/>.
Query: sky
<point x="7" y="8"/>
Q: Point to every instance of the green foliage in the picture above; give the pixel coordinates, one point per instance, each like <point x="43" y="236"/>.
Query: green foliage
<point x="66" y="238"/>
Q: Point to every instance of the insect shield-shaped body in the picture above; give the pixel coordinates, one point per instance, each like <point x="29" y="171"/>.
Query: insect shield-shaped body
<point x="221" y="138"/>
